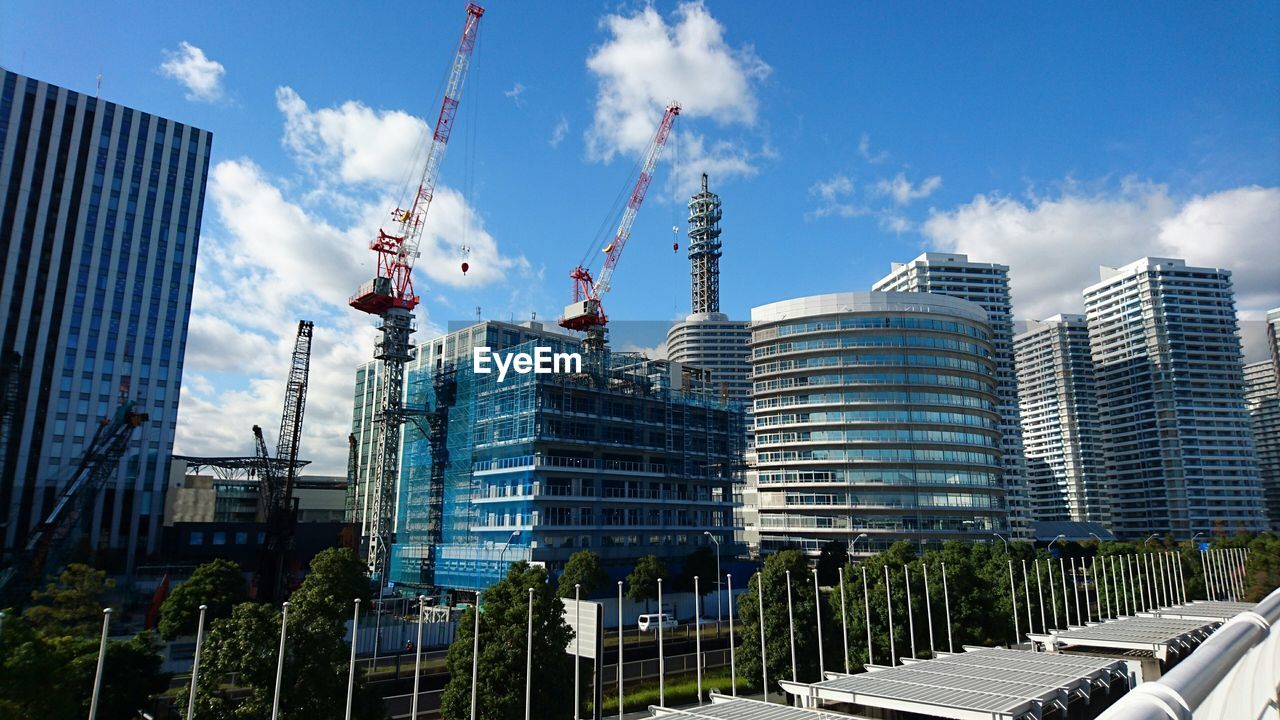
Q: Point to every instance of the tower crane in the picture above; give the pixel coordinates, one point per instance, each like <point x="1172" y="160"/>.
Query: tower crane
<point x="585" y="313"/>
<point x="391" y="297"/>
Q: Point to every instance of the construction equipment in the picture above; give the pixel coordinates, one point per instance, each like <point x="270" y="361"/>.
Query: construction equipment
<point x="585" y="313"/>
<point x="390" y="296"/>
<point x="275" y="495"/>
<point x="54" y="540"/>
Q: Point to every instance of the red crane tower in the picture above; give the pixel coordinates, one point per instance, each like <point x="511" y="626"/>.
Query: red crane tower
<point x="390" y="296"/>
<point x="585" y="313"/>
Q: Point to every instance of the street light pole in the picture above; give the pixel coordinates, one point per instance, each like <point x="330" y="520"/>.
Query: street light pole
<point x="719" y="615"/>
<point x="861" y="536"/>
<point x="1006" y="542"/>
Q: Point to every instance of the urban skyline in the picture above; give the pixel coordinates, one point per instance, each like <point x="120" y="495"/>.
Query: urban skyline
<point x="819" y="177"/>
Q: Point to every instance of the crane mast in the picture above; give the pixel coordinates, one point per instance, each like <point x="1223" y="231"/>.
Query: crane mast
<point x="390" y="295"/>
<point x="586" y="314"/>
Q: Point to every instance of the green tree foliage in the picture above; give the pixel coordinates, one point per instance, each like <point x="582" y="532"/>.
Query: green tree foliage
<point x="701" y="563"/>
<point x="49" y="655"/>
<point x="777" y="623"/>
<point x="217" y="584"/>
<point x="583" y="568"/>
<point x="500" y="679"/>
<point x="315" y="670"/>
<point x="642" y="583"/>
<point x="832" y="557"/>
<point x="72" y="606"/>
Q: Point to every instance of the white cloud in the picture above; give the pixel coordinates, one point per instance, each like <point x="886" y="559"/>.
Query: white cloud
<point x="903" y="191"/>
<point x="834" y="195"/>
<point x="1054" y="245"/>
<point x="559" y="131"/>
<point x="515" y="94"/>
<point x="647" y="63"/>
<point x="864" y="149"/>
<point x="201" y="76"/>
<point x="363" y="144"/>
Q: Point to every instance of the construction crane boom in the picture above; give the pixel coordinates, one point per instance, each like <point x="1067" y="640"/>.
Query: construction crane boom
<point x="586" y="314"/>
<point x="55" y="539"/>
<point x="390" y="295"/>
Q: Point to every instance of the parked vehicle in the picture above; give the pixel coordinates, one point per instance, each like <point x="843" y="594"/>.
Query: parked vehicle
<point x="650" y="622"/>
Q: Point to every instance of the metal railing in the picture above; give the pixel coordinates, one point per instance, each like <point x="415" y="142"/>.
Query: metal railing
<point x="1233" y="674"/>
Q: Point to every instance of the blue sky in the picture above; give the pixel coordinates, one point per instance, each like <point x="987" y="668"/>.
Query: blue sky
<point x="1051" y="136"/>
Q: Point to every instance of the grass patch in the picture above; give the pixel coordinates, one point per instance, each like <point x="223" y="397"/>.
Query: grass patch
<point x="680" y="690"/>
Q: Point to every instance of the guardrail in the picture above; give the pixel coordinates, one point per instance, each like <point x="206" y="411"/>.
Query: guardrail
<point x="1233" y="674"/>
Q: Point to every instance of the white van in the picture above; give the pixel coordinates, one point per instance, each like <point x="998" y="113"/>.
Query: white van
<point x="651" y="621"/>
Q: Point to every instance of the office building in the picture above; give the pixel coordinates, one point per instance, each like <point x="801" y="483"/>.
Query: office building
<point x="876" y="414"/>
<point x="100" y="226"/>
<point x="1058" y="407"/>
<point x="639" y="459"/>
<point x="1177" y="441"/>
<point x="986" y="284"/>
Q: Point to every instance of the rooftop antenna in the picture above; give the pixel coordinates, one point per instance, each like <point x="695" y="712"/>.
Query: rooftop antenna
<point x="98" y="93"/>
<point x="477" y="313"/>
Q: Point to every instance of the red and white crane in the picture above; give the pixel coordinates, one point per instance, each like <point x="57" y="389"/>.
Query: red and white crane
<point x="585" y="313"/>
<point x="390" y="296"/>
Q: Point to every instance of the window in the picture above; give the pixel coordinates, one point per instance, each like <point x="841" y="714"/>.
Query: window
<point x="219" y="538"/>
<point x="242" y="538"/>
<point x="196" y="538"/>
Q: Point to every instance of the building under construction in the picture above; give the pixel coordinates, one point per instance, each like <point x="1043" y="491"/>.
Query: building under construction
<point x="634" y="457"/>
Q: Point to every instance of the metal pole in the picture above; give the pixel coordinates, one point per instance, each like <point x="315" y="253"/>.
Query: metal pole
<point x="1100" y="577"/>
<point x="844" y="620"/>
<point x="1013" y="599"/>
<point x="662" y="660"/>
<point x="791" y="627"/>
<point x="817" y="611"/>
<point x="377" y="622"/>
<point x="1026" y="590"/>
<point x="866" y="600"/>
<point x="417" y="658"/>
<point x="733" y="665"/>
<point x="911" y="623"/>
<point x="1239" y="554"/>
<point x="475" y="656"/>
<point x="195" y="667"/>
<point x="1084" y="572"/>
<point x="1044" y="627"/>
<point x="1182" y="579"/>
<point x="946" y="598"/>
<point x="577" y="648"/>
<point x="284" y="627"/>
<point x="928" y="610"/>
<point x="621" y="641"/>
<point x="1075" y="593"/>
<point x="528" y="664"/>
<point x="1124" y="586"/>
<point x="1169" y="584"/>
<point x="764" y="662"/>
<point x="888" y="597"/>
<point x="351" y="668"/>
<point x="1053" y="593"/>
<point x="102" y="661"/>
<point x="1204" y="571"/>
<point x="719" y="613"/>
<point x="698" y="638"/>
<point x="1066" y="601"/>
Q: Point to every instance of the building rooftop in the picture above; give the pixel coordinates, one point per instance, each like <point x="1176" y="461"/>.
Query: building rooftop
<point x="723" y="707"/>
<point x="1157" y="635"/>
<point x="833" y="303"/>
<point x="1220" y="610"/>
<point x="991" y="683"/>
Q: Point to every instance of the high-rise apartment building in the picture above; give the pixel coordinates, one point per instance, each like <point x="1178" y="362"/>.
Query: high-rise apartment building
<point x="1262" y="395"/>
<point x="1058" y="407"/>
<point x="876" y="415"/>
<point x="986" y="284"/>
<point x="100" y="209"/>
<point x="1176" y="436"/>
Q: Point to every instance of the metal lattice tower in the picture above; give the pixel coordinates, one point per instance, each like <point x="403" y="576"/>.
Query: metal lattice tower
<point x="704" y="250"/>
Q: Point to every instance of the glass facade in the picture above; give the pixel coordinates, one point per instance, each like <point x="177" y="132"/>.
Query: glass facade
<point x="100" y="221"/>
<point x="870" y="445"/>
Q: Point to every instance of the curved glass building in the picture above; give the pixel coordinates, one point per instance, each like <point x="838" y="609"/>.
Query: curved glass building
<point x="875" y="414"/>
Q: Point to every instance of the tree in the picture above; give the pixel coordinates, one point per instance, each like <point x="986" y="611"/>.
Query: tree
<point x="72" y="606"/>
<point x="778" y="625"/>
<point x="833" y="556"/>
<point x="500" y="678"/>
<point x="218" y="584"/>
<point x="642" y="583"/>
<point x="315" y="670"/>
<point x="583" y="568"/>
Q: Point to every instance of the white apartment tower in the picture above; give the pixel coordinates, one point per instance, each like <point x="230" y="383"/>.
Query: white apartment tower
<point x="986" y="284"/>
<point x="1262" y="396"/>
<point x="1176" y="435"/>
<point x="1058" y="406"/>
